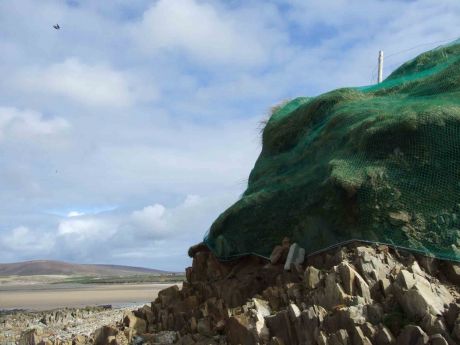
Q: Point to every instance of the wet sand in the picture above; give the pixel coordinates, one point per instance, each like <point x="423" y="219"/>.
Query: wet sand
<point x="50" y="297"/>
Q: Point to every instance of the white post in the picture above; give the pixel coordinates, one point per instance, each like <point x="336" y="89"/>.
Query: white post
<point x="379" y="78"/>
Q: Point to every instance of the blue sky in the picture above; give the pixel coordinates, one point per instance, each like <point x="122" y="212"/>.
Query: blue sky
<point x="124" y="134"/>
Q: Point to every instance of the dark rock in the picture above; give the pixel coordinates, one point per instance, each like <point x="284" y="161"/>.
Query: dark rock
<point x="438" y="339"/>
<point x="200" y="247"/>
<point x="412" y="335"/>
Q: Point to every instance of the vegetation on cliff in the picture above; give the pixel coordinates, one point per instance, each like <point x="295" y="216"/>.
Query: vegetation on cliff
<point x="378" y="163"/>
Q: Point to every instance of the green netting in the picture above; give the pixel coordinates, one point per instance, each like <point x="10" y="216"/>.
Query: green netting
<point x="379" y="163"/>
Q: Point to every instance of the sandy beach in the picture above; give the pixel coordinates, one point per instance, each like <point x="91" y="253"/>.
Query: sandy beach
<point x="58" y="296"/>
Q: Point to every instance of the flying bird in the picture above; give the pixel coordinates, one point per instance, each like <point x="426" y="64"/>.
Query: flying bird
<point x="57" y="27"/>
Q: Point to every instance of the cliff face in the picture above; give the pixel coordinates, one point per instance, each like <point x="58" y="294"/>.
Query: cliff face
<point x="378" y="163"/>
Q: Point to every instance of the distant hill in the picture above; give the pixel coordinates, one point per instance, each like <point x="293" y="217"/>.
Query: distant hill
<point x="49" y="267"/>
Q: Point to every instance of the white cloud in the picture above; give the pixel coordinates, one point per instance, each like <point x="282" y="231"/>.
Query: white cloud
<point x="202" y="32"/>
<point x="24" y="241"/>
<point x="27" y="124"/>
<point x="86" y="230"/>
<point x="75" y="214"/>
<point x="154" y="231"/>
<point x="90" y="84"/>
<point x="150" y="220"/>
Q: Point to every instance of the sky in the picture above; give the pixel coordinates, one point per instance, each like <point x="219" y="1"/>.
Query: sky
<point x="124" y="134"/>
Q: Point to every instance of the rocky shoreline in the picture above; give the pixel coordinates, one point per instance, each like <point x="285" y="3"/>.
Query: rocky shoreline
<point x="58" y="326"/>
<point x="355" y="294"/>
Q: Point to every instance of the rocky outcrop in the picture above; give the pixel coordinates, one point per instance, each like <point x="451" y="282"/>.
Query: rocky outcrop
<point x="357" y="294"/>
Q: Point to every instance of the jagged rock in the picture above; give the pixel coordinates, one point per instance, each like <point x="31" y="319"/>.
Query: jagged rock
<point x="384" y="336"/>
<point x="309" y="322"/>
<point x="374" y="267"/>
<point x="347" y="317"/>
<point x="353" y="283"/>
<point x="369" y="330"/>
<point x="451" y="315"/>
<point x="105" y="336"/>
<point x="375" y="313"/>
<point x="331" y="295"/>
<point x="204" y="327"/>
<point x="136" y="323"/>
<point x="146" y="313"/>
<point x="339" y="338"/>
<point x="406" y="279"/>
<point x="359" y="338"/>
<point x="168" y="295"/>
<point x="417" y="296"/>
<point x="312" y="277"/>
<point x="247" y="326"/>
<point x="438" y="339"/>
<point x="432" y="324"/>
<point x="281" y="327"/>
<point x="345" y="299"/>
<point x="429" y="264"/>
<point x="29" y="337"/>
<point x="321" y="338"/>
<point x="412" y="335"/>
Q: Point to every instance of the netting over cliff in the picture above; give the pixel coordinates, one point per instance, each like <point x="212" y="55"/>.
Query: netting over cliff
<point x="378" y="163"/>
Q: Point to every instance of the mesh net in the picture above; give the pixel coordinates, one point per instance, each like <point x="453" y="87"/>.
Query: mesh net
<point x="379" y="163"/>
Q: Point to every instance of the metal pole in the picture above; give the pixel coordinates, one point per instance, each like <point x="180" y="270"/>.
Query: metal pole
<point x="379" y="78"/>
